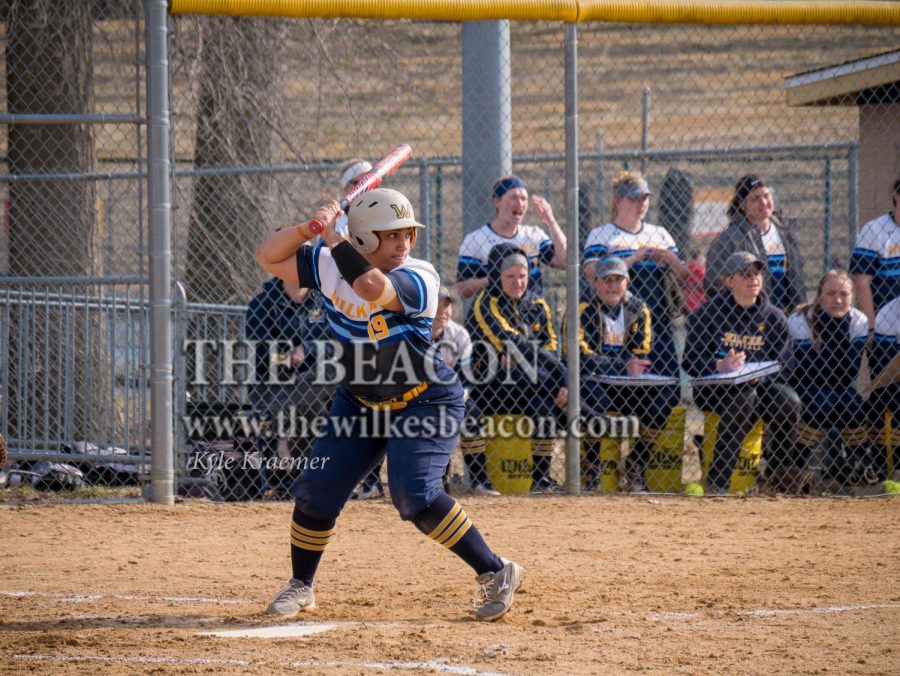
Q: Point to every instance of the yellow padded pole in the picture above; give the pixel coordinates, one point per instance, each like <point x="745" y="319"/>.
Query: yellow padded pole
<point x="787" y="12"/>
<point x="434" y="10"/>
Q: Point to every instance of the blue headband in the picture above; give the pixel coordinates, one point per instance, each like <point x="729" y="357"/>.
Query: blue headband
<point x="507" y="184"/>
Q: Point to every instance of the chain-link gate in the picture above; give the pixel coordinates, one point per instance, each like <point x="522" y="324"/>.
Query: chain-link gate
<point x="73" y="294"/>
<point x="695" y="142"/>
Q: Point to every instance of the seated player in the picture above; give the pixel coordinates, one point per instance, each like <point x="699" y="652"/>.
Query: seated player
<point x="615" y="335"/>
<point x="737" y="326"/>
<point x="829" y="341"/>
<point x="507" y="321"/>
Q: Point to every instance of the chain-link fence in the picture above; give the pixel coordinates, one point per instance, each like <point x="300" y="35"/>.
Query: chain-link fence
<point x="271" y="117"/>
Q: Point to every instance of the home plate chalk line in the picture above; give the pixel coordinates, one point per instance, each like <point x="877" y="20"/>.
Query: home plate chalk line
<point x="277" y="631"/>
<point x="62" y="597"/>
<point x="433" y="665"/>
<point x="770" y="612"/>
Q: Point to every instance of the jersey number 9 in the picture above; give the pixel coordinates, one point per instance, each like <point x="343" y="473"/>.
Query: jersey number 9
<point x="378" y="328"/>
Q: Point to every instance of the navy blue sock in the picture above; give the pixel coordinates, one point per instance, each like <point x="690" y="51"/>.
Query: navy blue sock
<point x="446" y="523"/>
<point x="309" y="538"/>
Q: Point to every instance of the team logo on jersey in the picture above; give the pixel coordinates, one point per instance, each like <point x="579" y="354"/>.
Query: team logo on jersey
<point x="401" y="211"/>
<point x="351" y="309"/>
<point x="761" y="326"/>
<point x="742" y="342"/>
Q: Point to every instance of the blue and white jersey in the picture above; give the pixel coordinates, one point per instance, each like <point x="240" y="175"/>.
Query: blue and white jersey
<point x="775" y="254"/>
<point x="877" y="253"/>
<point x="887" y="336"/>
<point x="647" y="277"/>
<point x="385" y="352"/>
<point x="830" y="359"/>
<point x="475" y="247"/>
<point x="801" y="330"/>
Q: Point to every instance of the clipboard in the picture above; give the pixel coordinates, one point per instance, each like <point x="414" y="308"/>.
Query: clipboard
<point x="643" y="380"/>
<point x="752" y="370"/>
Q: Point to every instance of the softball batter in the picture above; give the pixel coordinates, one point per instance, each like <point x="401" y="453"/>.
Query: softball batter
<point x="380" y="304"/>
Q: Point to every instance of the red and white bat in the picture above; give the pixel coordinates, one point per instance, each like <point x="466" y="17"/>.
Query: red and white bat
<point x="386" y="166"/>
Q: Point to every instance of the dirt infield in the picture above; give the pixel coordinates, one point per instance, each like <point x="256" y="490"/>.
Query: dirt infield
<point x="626" y="583"/>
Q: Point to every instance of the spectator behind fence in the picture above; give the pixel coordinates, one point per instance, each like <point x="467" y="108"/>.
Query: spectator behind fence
<point x="875" y="261"/>
<point x="615" y="333"/>
<point x="455" y="344"/>
<point x="506" y="313"/>
<point x="510" y="197"/>
<point x="649" y="251"/>
<point x="754" y="226"/>
<point x="737" y="326"/>
<point x="285" y="319"/>
<point x="829" y="338"/>
<point x="886" y="399"/>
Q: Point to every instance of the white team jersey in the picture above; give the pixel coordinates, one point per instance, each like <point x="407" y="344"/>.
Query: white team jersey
<point x="610" y="239"/>
<point x="772" y="242"/>
<point x="887" y="321"/>
<point x="474" y="250"/>
<point x="354" y="319"/>
<point x="880" y="236"/>
<point x="801" y="331"/>
<point x="455" y="345"/>
<point x="478" y="243"/>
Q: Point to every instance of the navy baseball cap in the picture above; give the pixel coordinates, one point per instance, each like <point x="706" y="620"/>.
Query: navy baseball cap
<point x="740" y="261"/>
<point x="611" y="265"/>
<point x="633" y="188"/>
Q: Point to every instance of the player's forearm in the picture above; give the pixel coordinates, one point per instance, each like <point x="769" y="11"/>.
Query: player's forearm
<point x="469" y="287"/>
<point x="281" y="245"/>
<point x="559" y="244"/>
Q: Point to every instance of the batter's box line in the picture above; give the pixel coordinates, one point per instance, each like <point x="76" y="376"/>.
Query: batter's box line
<point x="432" y="665"/>
<point x="768" y="612"/>
<point x="62" y="597"/>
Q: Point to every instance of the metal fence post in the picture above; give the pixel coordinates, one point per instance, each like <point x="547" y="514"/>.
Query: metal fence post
<point x="162" y="473"/>
<point x="645" y="130"/>
<point x="829" y="199"/>
<point x="573" y="256"/>
<point x="853" y="196"/>
<point x="425" y="209"/>
<point x="486" y="115"/>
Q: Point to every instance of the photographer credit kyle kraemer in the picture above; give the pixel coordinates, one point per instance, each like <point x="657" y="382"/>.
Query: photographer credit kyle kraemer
<point x="219" y="460"/>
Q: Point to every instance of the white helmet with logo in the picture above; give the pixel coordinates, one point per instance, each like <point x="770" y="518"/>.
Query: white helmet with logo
<point x="376" y="211"/>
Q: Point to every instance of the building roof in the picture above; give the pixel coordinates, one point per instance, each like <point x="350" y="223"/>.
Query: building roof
<point x="872" y="79"/>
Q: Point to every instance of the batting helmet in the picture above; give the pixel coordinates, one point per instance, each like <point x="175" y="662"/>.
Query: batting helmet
<point x="376" y="211"/>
